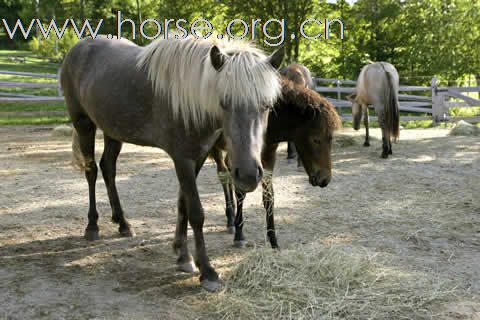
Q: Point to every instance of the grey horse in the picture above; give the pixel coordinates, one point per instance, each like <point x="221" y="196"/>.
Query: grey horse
<point x="378" y="85"/>
<point x="177" y="95"/>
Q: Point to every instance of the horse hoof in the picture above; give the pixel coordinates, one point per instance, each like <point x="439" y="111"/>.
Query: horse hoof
<point x="366" y="144"/>
<point x="187" y="267"/>
<point x="91" y="235"/>
<point x="126" y="232"/>
<point x="390" y="152"/>
<point x="385" y="155"/>
<point x="231" y="230"/>
<point x="209" y="285"/>
<point x="240" y="243"/>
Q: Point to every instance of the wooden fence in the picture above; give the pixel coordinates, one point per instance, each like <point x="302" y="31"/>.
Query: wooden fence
<point x="433" y="104"/>
<point x="20" y="97"/>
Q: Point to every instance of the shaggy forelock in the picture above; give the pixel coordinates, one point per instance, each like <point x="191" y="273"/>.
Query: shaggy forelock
<point x="303" y="99"/>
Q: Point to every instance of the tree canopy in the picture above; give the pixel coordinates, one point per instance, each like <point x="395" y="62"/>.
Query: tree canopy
<point x="421" y="38"/>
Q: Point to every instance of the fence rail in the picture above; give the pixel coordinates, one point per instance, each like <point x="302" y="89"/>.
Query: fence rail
<point x="11" y="97"/>
<point x="434" y="104"/>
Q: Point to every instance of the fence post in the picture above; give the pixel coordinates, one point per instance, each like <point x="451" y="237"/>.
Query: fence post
<point x="339" y="94"/>
<point x="59" y="85"/>
<point x="438" y="102"/>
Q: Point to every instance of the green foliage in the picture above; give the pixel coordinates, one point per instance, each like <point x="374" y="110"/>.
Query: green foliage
<point x="53" y="47"/>
<point x="464" y="112"/>
<point x="421" y="38"/>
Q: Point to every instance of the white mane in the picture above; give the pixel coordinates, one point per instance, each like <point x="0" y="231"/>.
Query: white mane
<point x="182" y="70"/>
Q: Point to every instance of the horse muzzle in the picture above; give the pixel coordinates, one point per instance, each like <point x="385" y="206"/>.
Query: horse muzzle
<point x="247" y="181"/>
<point x="319" y="180"/>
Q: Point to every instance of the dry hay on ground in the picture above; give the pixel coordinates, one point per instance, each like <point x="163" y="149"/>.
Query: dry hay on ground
<point x="318" y="281"/>
<point x="463" y="128"/>
<point x="62" y="130"/>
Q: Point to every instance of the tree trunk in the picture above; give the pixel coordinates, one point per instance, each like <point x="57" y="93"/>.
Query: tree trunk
<point x="82" y="10"/>
<point x="139" y="16"/>
<point x="477" y="77"/>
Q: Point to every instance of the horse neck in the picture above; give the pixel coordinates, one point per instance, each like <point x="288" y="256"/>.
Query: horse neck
<point x="282" y="123"/>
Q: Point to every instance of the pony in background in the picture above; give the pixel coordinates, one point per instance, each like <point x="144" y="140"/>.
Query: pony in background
<point x="300" y="75"/>
<point x="377" y="85"/>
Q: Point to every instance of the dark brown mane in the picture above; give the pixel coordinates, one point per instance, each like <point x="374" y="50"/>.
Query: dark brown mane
<point x="310" y="104"/>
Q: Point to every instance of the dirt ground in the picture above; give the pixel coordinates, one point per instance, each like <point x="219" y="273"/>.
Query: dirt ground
<point x="422" y="207"/>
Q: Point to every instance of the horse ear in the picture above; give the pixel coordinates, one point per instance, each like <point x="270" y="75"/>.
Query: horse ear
<point x="217" y="57"/>
<point x="276" y="58"/>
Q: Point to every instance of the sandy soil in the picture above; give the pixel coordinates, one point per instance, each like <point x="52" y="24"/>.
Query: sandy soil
<point x="422" y="207"/>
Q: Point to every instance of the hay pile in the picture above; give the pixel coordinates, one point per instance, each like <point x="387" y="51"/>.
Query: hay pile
<point x="62" y="130"/>
<point x="463" y="128"/>
<point x="344" y="140"/>
<point x="325" y="282"/>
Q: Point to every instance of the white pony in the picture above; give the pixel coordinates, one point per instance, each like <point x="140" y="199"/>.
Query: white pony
<point x="378" y="85"/>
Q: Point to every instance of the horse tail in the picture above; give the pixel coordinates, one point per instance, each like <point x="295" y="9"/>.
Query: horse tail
<point x="392" y="113"/>
<point x="78" y="161"/>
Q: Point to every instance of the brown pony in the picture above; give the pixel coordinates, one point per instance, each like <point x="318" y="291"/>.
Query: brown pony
<point x="300" y="75"/>
<point x="302" y="116"/>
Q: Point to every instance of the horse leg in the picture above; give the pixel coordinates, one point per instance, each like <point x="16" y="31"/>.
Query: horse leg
<point x="291" y="151"/>
<point x="180" y="244"/>
<point x="223" y="174"/>
<point x="191" y="207"/>
<point x="268" y="161"/>
<point x="239" y="239"/>
<point x="86" y="139"/>
<point x="108" y="164"/>
<point x="268" y="203"/>
<point x="390" y="144"/>
<point x="366" y="121"/>
<point x="381" y="120"/>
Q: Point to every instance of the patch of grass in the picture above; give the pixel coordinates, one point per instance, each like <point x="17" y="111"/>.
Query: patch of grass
<point x="12" y="77"/>
<point x="48" y="92"/>
<point x="423" y="124"/>
<point x="32" y="107"/>
<point x="31" y="64"/>
<point x="34" y="120"/>
<point x="464" y="112"/>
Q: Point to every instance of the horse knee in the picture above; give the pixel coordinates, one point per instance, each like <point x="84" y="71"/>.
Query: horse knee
<point x="91" y="167"/>
<point x="196" y="219"/>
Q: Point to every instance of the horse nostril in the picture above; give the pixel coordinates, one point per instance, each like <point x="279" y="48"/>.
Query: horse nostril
<point x="259" y="173"/>
<point x="324" y="183"/>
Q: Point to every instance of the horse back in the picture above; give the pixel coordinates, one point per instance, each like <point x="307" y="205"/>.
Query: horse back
<point x="101" y="80"/>
<point x="374" y="80"/>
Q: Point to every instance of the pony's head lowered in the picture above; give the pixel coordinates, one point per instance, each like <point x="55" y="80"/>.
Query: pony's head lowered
<point x="227" y="81"/>
<point x="313" y="135"/>
<point x="357" y="110"/>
